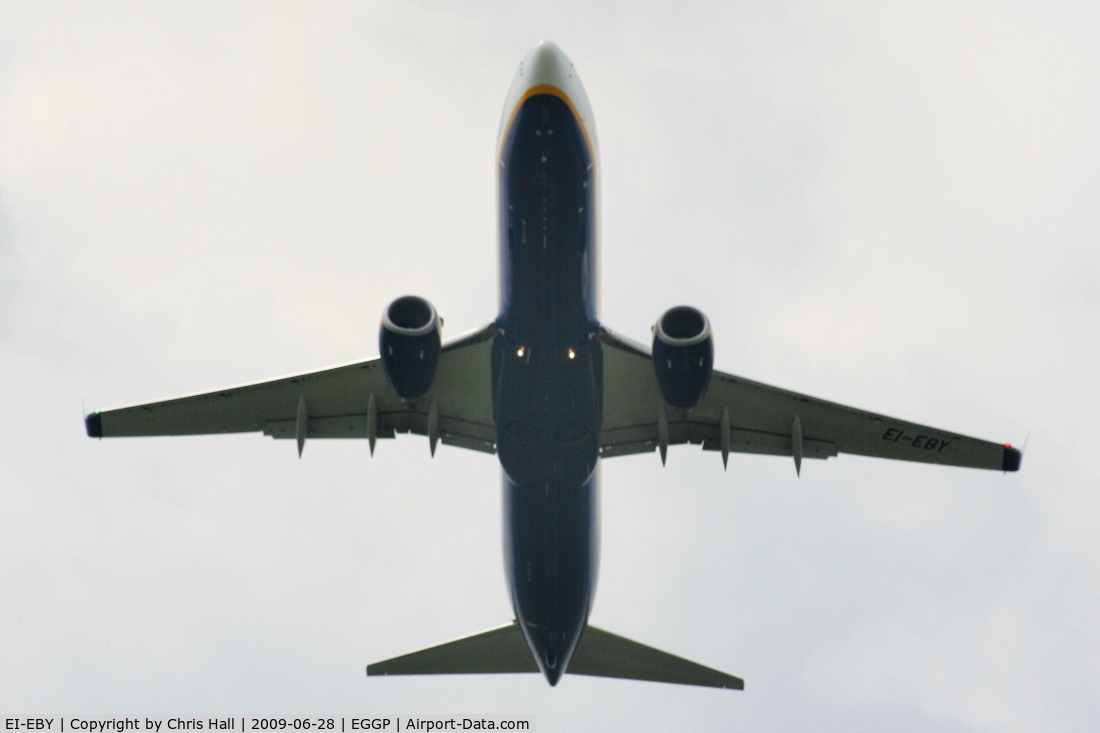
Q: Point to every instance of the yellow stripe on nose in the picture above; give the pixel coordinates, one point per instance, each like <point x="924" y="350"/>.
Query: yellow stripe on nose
<point x="553" y="91"/>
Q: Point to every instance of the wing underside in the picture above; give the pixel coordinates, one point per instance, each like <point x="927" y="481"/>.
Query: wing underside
<point x="345" y="401"/>
<point x="736" y="415"/>
<point x="742" y="416"/>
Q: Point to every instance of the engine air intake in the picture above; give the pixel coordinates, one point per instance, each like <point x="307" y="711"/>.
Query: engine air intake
<point x="409" y="343"/>
<point x="683" y="356"/>
<point x="683" y="326"/>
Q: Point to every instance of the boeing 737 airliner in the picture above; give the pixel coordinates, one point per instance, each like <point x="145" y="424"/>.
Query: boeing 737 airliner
<point x="551" y="391"/>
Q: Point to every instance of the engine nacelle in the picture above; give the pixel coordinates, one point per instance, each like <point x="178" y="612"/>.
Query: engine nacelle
<point x="409" y="344"/>
<point x="683" y="356"/>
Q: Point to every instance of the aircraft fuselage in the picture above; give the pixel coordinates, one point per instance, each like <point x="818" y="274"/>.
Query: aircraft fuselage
<point x="548" y="366"/>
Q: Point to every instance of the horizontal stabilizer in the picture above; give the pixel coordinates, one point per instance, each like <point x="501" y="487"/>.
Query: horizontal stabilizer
<point x="603" y="654"/>
<point x="498" y="650"/>
<point x="600" y="654"/>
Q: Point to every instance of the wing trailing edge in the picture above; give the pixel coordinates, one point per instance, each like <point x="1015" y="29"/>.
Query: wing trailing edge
<point x="599" y="654"/>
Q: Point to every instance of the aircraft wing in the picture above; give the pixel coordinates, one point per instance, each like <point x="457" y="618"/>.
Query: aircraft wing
<point x="741" y="416"/>
<point x="345" y="401"/>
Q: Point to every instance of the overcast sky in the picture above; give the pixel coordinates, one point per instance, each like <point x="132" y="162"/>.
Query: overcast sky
<point x="894" y="206"/>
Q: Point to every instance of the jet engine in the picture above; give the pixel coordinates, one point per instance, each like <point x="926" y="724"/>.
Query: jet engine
<point x="683" y="355"/>
<point x="409" y="344"/>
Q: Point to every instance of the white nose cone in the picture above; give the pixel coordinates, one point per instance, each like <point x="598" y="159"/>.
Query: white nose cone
<point x="547" y="66"/>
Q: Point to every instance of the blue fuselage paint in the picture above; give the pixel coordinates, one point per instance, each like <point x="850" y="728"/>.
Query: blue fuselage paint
<point x="548" y="376"/>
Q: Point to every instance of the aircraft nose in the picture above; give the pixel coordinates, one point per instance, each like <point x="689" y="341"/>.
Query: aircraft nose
<point x="547" y="65"/>
<point x="547" y="61"/>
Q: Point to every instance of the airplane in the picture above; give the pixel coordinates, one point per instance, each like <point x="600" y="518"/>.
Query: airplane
<point x="552" y="392"/>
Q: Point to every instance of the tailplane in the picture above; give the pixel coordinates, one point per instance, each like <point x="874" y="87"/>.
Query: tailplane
<point x="498" y="650"/>
<point x="599" y="654"/>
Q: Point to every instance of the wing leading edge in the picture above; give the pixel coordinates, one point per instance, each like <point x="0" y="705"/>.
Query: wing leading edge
<point x="741" y="416"/>
<point x="344" y="401"/>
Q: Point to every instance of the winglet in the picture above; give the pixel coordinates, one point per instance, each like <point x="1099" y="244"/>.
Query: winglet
<point x="1011" y="460"/>
<point x="94" y="425"/>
